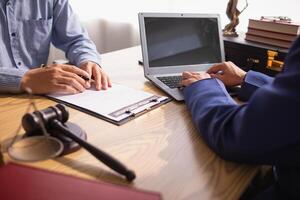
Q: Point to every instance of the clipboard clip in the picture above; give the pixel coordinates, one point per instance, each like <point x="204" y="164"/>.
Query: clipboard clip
<point x="139" y="107"/>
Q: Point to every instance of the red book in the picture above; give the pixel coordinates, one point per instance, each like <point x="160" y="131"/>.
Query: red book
<point x="27" y="183"/>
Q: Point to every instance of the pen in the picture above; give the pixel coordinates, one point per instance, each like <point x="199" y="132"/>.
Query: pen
<point x="84" y="78"/>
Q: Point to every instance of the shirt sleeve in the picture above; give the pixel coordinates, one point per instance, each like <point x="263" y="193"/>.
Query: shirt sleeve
<point x="71" y="37"/>
<point x="252" y="82"/>
<point x="263" y="131"/>
<point x="10" y="80"/>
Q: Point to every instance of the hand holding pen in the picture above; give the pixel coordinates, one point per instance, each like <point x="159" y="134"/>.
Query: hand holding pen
<point x="61" y="78"/>
<point x="100" y="78"/>
<point x="55" y="78"/>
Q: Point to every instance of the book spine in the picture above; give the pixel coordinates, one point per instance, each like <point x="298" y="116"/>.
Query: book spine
<point x="264" y="40"/>
<point x="292" y="29"/>
<point x="272" y="35"/>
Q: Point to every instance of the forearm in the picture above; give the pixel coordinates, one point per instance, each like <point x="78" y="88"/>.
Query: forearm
<point x="250" y="133"/>
<point x="10" y="80"/>
<point x="211" y="108"/>
<point x="71" y="37"/>
<point x="82" y="51"/>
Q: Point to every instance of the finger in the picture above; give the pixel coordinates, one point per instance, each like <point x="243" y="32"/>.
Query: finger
<point x="59" y="72"/>
<point x="104" y="80"/>
<point x="109" y="82"/>
<point x="97" y="77"/>
<point x="218" y="76"/>
<point x="186" y="75"/>
<point x="74" y="76"/>
<point x="187" y="82"/>
<point x="182" y="82"/>
<point x="88" y="68"/>
<point x="215" y="68"/>
<point x="64" y="89"/>
<point x="72" y="82"/>
<point x="75" y="70"/>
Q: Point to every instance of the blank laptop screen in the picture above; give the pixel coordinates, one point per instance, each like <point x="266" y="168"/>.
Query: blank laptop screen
<point x="182" y="41"/>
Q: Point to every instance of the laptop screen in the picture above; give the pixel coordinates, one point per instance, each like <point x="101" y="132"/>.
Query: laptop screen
<point x="182" y="41"/>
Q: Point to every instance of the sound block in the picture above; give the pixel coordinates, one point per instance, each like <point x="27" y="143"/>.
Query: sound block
<point x="69" y="145"/>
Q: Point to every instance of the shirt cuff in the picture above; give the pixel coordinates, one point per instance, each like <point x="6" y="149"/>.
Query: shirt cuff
<point x="253" y="81"/>
<point x="12" y="82"/>
<point x="88" y="59"/>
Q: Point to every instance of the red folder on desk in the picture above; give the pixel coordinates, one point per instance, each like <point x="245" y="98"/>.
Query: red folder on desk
<point x="26" y="183"/>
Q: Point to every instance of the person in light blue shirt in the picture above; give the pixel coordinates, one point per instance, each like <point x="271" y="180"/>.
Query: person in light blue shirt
<point x="27" y="28"/>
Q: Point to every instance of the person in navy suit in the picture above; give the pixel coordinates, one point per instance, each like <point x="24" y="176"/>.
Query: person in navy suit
<point x="265" y="130"/>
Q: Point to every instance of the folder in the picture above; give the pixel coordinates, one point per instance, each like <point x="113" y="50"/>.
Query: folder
<point x="117" y="105"/>
<point x="27" y="183"/>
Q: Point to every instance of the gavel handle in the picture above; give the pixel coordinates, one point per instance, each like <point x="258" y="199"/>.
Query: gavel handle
<point x="99" y="154"/>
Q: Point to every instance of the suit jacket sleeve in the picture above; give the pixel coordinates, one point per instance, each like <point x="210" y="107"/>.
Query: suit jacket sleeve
<point x="263" y="131"/>
<point x="252" y="82"/>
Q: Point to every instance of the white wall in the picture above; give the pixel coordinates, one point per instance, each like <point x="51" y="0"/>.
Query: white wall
<point x="126" y="10"/>
<point x="113" y="24"/>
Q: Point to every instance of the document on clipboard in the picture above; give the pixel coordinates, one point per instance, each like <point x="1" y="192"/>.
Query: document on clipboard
<point x="117" y="104"/>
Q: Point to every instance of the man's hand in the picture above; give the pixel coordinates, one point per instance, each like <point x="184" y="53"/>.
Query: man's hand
<point x="56" y="78"/>
<point x="190" y="77"/>
<point x="228" y="73"/>
<point x="101" y="80"/>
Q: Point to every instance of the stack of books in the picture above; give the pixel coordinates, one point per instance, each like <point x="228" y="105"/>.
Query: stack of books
<point x="271" y="32"/>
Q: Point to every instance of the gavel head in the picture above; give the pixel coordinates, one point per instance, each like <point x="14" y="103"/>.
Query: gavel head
<point x="31" y="122"/>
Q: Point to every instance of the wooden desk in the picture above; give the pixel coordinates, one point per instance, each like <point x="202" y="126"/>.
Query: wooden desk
<point x="162" y="146"/>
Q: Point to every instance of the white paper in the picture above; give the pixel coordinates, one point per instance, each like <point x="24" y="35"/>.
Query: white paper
<point x="105" y="102"/>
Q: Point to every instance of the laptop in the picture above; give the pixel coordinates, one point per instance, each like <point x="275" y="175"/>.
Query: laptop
<point x="176" y="42"/>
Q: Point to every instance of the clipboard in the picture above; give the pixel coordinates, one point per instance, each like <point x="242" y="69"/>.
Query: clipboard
<point x="118" y="105"/>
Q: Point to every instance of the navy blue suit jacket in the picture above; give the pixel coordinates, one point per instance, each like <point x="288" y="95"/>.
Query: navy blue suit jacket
<point x="265" y="130"/>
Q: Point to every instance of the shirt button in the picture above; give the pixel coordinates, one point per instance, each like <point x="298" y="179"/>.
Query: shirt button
<point x="13" y="34"/>
<point x="19" y="63"/>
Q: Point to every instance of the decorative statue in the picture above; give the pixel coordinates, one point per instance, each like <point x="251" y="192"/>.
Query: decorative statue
<point x="233" y="14"/>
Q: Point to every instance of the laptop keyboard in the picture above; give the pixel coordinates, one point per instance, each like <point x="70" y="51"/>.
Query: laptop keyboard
<point x="170" y="81"/>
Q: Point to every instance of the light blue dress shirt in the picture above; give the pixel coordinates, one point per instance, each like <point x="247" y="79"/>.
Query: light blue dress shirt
<point x="27" y="27"/>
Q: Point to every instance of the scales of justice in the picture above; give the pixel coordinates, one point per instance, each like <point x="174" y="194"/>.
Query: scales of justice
<point x="233" y="14"/>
